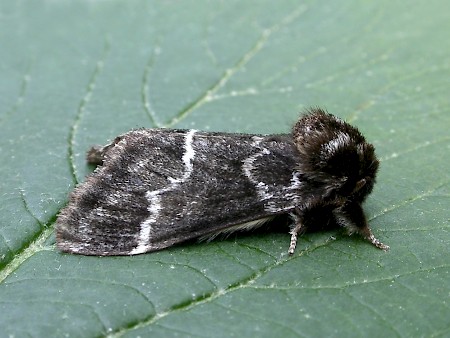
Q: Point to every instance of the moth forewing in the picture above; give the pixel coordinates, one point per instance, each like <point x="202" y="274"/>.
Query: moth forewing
<point x="157" y="188"/>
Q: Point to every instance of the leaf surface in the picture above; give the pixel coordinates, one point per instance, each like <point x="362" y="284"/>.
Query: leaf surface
<point x="78" y="73"/>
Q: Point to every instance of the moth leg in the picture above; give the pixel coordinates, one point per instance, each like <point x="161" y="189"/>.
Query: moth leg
<point x="367" y="234"/>
<point x="352" y="218"/>
<point x="298" y="228"/>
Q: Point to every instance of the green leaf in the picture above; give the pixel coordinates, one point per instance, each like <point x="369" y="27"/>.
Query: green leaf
<point x="77" y="73"/>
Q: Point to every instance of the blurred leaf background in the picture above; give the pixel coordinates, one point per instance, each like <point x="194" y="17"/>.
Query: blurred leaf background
<point x="77" y="73"/>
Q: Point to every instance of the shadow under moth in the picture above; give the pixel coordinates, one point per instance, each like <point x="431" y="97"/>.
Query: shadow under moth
<point x="155" y="188"/>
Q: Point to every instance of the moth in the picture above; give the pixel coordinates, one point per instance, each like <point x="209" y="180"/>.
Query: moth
<point x="154" y="188"/>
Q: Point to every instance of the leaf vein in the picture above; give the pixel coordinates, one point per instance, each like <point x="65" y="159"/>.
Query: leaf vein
<point x="145" y="87"/>
<point x="21" y="97"/>
<point x="81" y="111"/>
<point x="408" y="201"/>
<point x="229" y="73"/>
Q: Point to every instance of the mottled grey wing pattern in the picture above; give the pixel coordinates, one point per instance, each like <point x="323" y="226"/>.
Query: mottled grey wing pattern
<point x="158" y="187"/>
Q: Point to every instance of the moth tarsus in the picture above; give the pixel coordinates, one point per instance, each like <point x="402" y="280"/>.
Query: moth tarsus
<point x="155" y="188"/>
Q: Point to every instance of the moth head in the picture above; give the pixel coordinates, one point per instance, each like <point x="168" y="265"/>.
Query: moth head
<point x="334" y="155"/>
